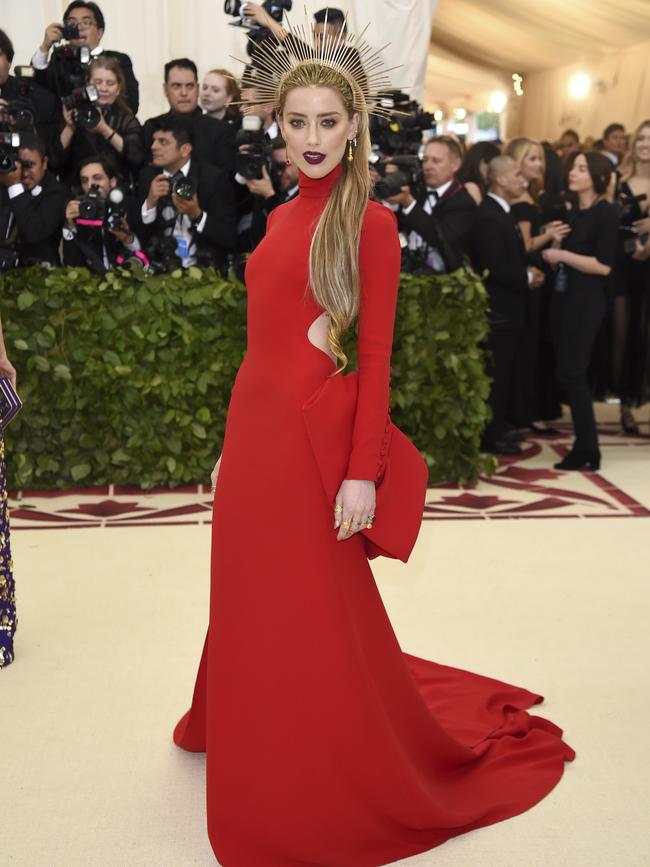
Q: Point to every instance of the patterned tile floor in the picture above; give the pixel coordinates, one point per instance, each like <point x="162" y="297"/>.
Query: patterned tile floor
<point x="523" y="487"/>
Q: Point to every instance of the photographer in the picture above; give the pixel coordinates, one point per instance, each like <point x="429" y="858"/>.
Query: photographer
<point x="187" y="209"/>
<point x="213" y="139"/>
<point x="83" y="25"/>
<point x="25" y="106"/>
<point x="272" y="190"/>
<point x="97" y="231"/>
<point x="439" y="218"/>
<point x="253" y="141"/>
<point x="107" y="126"/>
<point x="32" y="203"/>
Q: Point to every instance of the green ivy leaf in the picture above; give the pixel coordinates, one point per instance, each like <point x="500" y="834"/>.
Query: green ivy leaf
<point x="80" y="471"/>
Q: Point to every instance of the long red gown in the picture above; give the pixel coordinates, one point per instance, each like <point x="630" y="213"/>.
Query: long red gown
<point x="326" y="744"/>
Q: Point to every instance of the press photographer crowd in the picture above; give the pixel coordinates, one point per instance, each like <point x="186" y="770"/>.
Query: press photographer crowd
<point x="561" y="229"/>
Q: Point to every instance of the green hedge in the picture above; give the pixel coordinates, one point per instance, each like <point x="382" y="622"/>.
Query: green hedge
<point x="127" y="378"/>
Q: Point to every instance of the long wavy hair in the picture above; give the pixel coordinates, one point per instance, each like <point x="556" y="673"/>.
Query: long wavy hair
<point x="334" y="254"/>
<point x="517" y="149"/>
<point x="629" y="166"/>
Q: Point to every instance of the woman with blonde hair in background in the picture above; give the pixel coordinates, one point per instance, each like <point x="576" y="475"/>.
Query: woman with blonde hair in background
<point x="325" y="743"/>
<point x="631" y="311"/>
<point x="536" y="399"/>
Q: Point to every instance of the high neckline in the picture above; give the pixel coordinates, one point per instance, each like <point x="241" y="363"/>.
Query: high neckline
<point x="318" y="188"/>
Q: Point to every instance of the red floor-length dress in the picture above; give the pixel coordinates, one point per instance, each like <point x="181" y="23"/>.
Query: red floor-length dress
<point x="326" y="744"/>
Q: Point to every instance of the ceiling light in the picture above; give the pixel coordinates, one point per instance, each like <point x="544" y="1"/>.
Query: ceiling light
<point x="579" y="85"/>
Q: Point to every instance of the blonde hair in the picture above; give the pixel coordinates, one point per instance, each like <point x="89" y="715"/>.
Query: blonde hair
<point x="517" y="149"/>
<point x="629" y="166"/>
<point x="112" y="65"/>
<point x="232" y="89"/>
<point x="334" y="252"/>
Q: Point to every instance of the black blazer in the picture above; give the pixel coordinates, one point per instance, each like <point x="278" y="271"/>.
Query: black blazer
<point x="39" y="220"/>
<point x="448" y="228"/>
<point x="216" y="198"/>
<point x="214" y="140"/>
<point x="47" y="78"/>
<point x="498" y="248"/>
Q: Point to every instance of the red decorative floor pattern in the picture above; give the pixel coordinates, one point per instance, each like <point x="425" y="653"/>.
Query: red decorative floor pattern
<point x="525" y="486"/>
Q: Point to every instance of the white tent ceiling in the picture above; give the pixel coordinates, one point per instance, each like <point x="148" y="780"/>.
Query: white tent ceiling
<point x="476" y="45"/>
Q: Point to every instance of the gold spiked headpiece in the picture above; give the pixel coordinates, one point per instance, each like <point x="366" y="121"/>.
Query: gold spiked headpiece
<point x="360" y="63"/>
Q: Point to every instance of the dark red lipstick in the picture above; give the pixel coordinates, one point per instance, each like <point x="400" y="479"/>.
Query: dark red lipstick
<point x="313" y="157"/>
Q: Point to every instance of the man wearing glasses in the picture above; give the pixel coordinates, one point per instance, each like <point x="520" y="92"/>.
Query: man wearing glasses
<point x="89" y="19"/>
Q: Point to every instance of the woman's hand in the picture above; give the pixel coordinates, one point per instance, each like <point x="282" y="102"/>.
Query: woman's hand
<point x="7" y="369"/>
<point x="356" y="498"/>
<point x="557" y="230"/>
<point x="68" y="117"/>
<point x="214" y="474"/>
<point x="553" y="256"/>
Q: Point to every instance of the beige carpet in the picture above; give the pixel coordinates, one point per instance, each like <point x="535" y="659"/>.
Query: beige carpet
<point x="111" y="624"/>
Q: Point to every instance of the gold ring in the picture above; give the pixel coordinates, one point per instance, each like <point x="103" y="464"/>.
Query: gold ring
<point x="368" y="526"/>
<point x="338" y="509"/>
<point x="346" y="523"/>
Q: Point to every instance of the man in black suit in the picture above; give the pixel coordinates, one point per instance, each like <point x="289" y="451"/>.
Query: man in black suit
<point x="213" y="139"/>
<point x="498" y="248"/>
<point x="200" y="222"/>
<point x="88" y="17"/>
<point x="439" y="219"/>
<point x="32" y="202"/>
<point x="94" y="242"/>
<point x="27" y="93"/>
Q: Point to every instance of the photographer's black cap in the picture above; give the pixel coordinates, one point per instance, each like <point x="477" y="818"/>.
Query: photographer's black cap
<point x="94" y="8"/>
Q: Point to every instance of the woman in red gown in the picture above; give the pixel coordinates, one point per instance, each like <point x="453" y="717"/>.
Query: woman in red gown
<point x="326" y="744"/>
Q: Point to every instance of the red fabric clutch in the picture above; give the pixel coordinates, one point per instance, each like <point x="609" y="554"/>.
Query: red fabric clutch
<point x="401" y="491"/>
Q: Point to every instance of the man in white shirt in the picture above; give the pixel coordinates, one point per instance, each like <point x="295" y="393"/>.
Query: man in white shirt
<point x="498" y="249"/>
<point x="439" y="219"/>
<point x="184" y="199"/>
<point x="89" y="20"/>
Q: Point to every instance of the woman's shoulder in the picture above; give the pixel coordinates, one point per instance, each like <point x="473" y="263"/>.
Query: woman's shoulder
<point x="378" y="220"/>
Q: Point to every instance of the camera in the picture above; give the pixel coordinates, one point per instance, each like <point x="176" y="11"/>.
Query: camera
<point x="630" y="237"/>
<point x="70" y="31"/>
<point x="9" y="144"/>
<point x="70" y="67"/>
<point x="257" y="33"/>
<point x="249" y="164"/>
<point x="184" y="188"/>
<point x="401" y="132"/>
<point x="80" y="102"/>
<point x="92" y="209"/>
<point x="409" y="175"/>
<point x="19" y="113"/>
<point x="162" y="253"/>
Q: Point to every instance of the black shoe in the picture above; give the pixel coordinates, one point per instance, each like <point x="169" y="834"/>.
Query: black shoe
<point x="628" y="422"/>
<point x="544" y="431"/>
<point x="502" y="447"/>
<point x="513" y="436"/>
<point x="577" y="460"/>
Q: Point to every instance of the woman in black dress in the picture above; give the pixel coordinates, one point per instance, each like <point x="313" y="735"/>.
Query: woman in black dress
<point x="584" y="263"/>
<point x="118" y="134"/>
<point x="473" y="171"/>
<point x="535" y="391"/>
<point x="631" y="313"/>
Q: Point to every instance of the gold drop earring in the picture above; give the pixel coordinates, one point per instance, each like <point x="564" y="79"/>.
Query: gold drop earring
<point x="350" y="151"/>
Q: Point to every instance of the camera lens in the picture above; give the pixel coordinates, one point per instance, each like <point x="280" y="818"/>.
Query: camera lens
<point x="184" y="188"/>
<point x="88" y="116"/>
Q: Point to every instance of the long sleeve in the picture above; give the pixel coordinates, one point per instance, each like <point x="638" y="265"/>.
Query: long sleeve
<point x="379" y="264"/>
